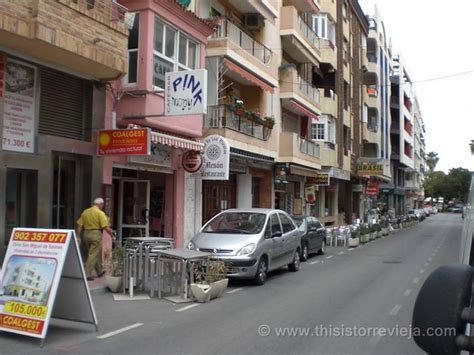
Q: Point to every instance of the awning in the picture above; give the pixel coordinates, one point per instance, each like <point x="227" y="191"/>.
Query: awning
<point x="248" y="75"/>
<point x="176" y="142"/>
<point x="313" y="6"/>
<point x="299" y="170"/>
<point x="303" y="110"/>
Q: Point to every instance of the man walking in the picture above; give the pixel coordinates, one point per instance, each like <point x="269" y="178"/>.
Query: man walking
<point x="92" y="222"/>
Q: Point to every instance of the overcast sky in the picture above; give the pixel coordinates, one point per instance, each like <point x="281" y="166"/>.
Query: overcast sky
<point x="435" y="39"/>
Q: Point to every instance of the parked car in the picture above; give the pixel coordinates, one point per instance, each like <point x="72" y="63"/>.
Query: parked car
<point x="252" y="242"/>
<point x="428" y="210"/>
<point x="417" y="213"/>
<point x="458" y="208"/>
<point x="434" y="210"/>
<point x="314" y="238"/>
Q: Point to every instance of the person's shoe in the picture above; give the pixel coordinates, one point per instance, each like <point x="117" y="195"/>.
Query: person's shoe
<point x="100" y="274"/>
<point x="90" y="278"/>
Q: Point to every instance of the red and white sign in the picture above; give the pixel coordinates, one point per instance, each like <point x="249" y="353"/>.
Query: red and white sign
<point x="372" y="189"/>
<point x="19" y="106"/>
<point x="192" y="161"/>
<point x="124" y="142"/>
<point x="35" y="261"/>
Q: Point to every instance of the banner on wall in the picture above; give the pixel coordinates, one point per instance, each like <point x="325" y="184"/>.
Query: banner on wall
<point x="43" y="278"/>
<point x="19" y="98"/>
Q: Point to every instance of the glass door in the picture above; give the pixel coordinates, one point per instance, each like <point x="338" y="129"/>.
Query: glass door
<point x="134" y="207"/>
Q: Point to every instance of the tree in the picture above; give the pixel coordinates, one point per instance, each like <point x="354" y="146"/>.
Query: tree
<point x="435" y="184"/>
<point x="457" y="184"/>
<point x="431" y="160"/>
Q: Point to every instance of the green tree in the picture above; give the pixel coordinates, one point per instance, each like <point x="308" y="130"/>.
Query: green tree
<point x="435" y="184"/>
<point x="458" y="182"/>
<point x="432" y="160"/>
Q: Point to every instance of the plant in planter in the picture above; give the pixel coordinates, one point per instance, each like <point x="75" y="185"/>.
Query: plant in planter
<point x="364" y="233"/>
<point x="354" y="240"/>
<point x="239" y="108"/>
<point x="377" y="230"/>
<point x="210" y="282"/>
<point x="385" y="226"/>
<point x="269" y="122"/>
<point x="114" y="268"/>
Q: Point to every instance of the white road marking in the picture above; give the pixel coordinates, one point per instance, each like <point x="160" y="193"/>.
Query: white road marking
<point x="235" y="290"/>
<point x="187" y="307"/>
<point x="314" y="262"/>
<point x="416" y="280"/>
<point x="118" y="331"/>
<point x="340" y="253"/>
<point x="422" y="271"/>
<point x="329" y="257"/>
<point x="395" y="310"/>
<point x="407" y="292"/>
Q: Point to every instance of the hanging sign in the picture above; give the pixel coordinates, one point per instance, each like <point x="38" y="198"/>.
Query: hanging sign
<point x="124" y="142"/>
<point x="310" y="193"/>
<point x="19" y="106"/>
<point x="216" y="158"/>
<point x="369" y="169"/>
<point x="186" y="92"/>
<point x="192" y="161"/>
<point x="42" y="270"/>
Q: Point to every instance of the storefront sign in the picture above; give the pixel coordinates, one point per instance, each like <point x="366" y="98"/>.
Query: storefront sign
<point x="36" y="262"/>
<point x="372" y="190"/>
<point x="186" y="92"/>
<point x="192" y="161"/>
<point x="357" y="188"/>
<point x="160" y="156"/>
<point x="310" y="193"/>
<point x="337" y="173"/>
<point x="319" y="179"/>
<point x="370" y="169"/>
<point x="216" y="158"/>
<point x="281" y="173"/>
<point x="19" y="106"/>
<point x="124" y="142"/>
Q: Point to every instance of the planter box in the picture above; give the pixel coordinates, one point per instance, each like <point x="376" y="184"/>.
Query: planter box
<point x="354" y="242"/>
<point x="364" y="238"/>
<point x="114" y="283"/>
<point x="385" y="231"/>
<point x="204" y="293"/>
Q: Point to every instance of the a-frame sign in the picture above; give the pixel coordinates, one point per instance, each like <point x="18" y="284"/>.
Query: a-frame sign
<point x="43" y="278"/>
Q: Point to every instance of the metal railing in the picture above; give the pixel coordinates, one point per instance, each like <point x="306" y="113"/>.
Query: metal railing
<point x="309" y="147"/>
<point x="308" y="90"/>
<point x="221" y="117"/>
<point x="227" y="29"/>
<point x="309" y="34"/>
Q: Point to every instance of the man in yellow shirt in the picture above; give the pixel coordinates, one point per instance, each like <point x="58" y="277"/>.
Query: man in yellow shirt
<point x="93" y="221"/>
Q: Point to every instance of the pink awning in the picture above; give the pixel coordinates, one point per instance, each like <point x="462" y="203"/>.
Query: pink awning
<point x="303" y="110"/>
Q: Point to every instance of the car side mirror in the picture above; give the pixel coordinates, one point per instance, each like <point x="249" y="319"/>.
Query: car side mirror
<point x="442" y="305"/>
<point x="277" y="234"/>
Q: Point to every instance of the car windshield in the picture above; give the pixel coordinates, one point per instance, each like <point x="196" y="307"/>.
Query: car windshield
<point x="236" y="223"/>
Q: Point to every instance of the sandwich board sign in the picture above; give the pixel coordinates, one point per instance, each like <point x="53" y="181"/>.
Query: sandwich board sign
<point x="43" y="278"/>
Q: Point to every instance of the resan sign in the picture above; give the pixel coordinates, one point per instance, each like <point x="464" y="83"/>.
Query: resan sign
<point x="186" y="92"/>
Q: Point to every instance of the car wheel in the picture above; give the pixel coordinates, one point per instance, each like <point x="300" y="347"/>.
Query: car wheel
<point x="295" y="265"/>
<point x="322" y="251"/>
<point x="304" y="252"/>
<point x="262" y="271"/>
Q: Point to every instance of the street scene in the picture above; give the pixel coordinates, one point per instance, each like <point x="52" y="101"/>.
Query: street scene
<point x="235" y="177"/>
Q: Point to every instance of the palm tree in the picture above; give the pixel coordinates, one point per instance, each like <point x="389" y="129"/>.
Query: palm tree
<point x="431" y="160"/>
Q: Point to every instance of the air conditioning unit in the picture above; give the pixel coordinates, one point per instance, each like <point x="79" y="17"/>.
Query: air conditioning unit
<point x="253" y="21"/>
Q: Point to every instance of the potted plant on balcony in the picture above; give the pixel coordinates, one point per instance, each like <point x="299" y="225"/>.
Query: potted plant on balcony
<point x="114" y="268"/>
<point x="210" y="281"/>
<point x="269" y="122"/>
<point x="239" y="108"/>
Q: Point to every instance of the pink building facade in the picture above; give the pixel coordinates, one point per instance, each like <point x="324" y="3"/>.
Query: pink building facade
<point x="145" y="195"/>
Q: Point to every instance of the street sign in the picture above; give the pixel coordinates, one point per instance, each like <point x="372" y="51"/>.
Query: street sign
<point x="124" y="142"/>
<point x="43" y="278"/>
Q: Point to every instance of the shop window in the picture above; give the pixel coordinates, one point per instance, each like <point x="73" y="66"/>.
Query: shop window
<point x="172" y="51"/>
<point x="133" y="40"/>
<point x="21" y="196"/>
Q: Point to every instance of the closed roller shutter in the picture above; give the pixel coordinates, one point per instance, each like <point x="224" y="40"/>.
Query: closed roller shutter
<point x="65" y="105"/>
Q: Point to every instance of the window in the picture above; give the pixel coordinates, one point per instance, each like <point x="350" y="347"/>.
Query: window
<point x="324" y="129"/>
<point x="173" y="51"/>
<point x="275" y="224"/>
<point x="324" y="27"/>
<point x="344" y="10"/>
<point x="287" y="225"/>
<point x="318" y="130"/>
<point x="131" y="77"/>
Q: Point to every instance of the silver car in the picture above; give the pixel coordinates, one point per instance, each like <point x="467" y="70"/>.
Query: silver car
<point x="252" y="241"/>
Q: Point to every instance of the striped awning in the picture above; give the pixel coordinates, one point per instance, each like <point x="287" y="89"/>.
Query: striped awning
<point x="176" y="142"/>
<point x="303" y="110"/>
<point x="248" y="76"/>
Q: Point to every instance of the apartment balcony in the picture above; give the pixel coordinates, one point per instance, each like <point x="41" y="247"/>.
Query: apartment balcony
<point x="298" y="39"/>
<point x="372" y="97"/>
<point x="234" y="43"/>
<point x="371" y="132"/>
<point x="346" y="29"/>
<point x="328" y="53"/>
<point x="328" y="154"/>
<point x="87" y="37"/>
<point x="347" y="161"/>
<point x="298" y="95"/>
<point x="329" y="7"/>
<point x="220" y="120"/>
<point x="305" y="5"/>
<point x="294" y="149"/>
<point x="328" y="102"/>
<point x="262" y="7"/>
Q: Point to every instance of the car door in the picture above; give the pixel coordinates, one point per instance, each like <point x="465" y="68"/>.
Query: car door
<point x="290" y="241"/>
<point x="320" y="234"/>
<point x="312" y="234"/>
<point x="275" y="234"/>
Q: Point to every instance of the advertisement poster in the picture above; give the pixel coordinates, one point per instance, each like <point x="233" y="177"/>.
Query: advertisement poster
<point x="186" y="92"/>
<point x="30" y="278"/>
<point x="124" y="142"/>
<point x="19" y="107"/>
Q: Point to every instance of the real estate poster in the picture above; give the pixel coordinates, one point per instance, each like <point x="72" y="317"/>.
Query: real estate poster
<point x="30" y="278"/>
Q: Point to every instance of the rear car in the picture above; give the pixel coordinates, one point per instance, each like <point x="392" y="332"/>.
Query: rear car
<point x="252" y="242"/>
<point x="313" y="239"/>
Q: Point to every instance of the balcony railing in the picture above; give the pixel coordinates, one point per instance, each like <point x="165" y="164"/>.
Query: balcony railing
<point x="308" y="90"/>
<point x="102" y="10"/>
<point x="309" y="34"/>
<point x="227" y="29"/>
<point x="372" y="125"/>
<point x="221" y="117"/>
<point x="309" y="147"/>
<point x="372" y="58"/>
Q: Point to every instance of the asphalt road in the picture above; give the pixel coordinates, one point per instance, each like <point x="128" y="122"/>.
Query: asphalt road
<point x="373" y="286"/>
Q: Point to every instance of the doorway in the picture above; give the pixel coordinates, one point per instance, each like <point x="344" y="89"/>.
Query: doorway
<point x="133" y="208"/>
<point x="218" y="196"/>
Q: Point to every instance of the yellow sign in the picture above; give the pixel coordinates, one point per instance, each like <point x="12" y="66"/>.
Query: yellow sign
<point x="24" y="309"/>
<point x="370" y="169"/>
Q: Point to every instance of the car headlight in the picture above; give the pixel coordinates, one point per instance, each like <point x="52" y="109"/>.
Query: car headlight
<point x="191" y="246"/>
<point x="248" y="249"/>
